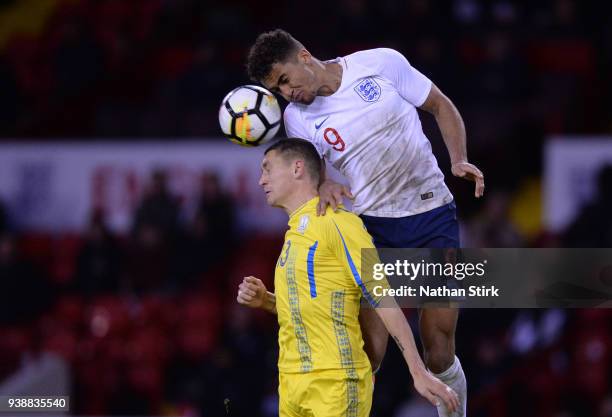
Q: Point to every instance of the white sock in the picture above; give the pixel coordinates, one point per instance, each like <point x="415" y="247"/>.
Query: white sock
<point x="454" y="378"/>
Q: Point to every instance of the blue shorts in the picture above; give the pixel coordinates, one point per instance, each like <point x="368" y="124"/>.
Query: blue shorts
<point x="437" y="228"/>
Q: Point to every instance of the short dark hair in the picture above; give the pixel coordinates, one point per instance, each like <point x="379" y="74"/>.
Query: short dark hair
<point x="300" y="148"/>
<point x="275" y="46"/>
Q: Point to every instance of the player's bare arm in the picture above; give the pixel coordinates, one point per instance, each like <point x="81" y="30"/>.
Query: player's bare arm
<point x="330" y="193"/>
<point x="425" y="383"/>
<point x="453" y="131"/>
<point x="252" y="293"/>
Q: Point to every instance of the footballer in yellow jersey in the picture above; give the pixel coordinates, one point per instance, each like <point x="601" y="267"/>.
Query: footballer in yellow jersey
<point x="318" y="290"/>
<point x="323" y="368"/>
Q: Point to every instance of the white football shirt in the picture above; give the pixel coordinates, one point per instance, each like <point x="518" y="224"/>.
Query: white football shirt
<point x="369" y="130"/>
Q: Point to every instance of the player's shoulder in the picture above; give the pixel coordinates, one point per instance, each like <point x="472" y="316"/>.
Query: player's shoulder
<point x="294" y="109"/>
<point x="373" y="56"/>
<point x="291" y="111"/>
<point x="293" y="117"/>
<point x="340" y="219"/>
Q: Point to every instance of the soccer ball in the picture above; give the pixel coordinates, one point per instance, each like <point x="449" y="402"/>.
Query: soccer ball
<point x="249" y="115"/>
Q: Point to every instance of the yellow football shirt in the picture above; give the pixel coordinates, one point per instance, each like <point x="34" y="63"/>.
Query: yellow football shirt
<point x="318" y="288"/>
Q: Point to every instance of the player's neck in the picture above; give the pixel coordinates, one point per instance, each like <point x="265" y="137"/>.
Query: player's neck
<point x="330" y="75"/>
<point x="297" y="199"/>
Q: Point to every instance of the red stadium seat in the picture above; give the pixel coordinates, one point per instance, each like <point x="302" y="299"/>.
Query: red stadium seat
<point x="199" y="326"/>
<point x="148" y="345"/>
<point x="69" y="310"/>
<point x="66" y="250"/>
<point x="37" y="247"/>
<point x="63" y="342"/>
<point x="563" y="56"/>
<point x="15" y="341"/>
<point x="108" y="316"/>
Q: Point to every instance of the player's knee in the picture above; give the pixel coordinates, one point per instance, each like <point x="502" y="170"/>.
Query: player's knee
<point x="439" y="358"/>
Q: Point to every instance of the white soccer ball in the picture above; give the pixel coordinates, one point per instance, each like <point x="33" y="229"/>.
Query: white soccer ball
<point x="249" y="115"/>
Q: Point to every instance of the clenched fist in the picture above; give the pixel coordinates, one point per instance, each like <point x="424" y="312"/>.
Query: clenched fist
<point x="251" y="292"/>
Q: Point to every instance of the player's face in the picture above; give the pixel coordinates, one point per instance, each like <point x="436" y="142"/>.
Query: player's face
<point x="295" y="80"/>
<point x="276" y="179"/>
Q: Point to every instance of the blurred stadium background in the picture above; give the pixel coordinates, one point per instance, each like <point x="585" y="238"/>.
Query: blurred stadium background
<point x="126" y="220"/>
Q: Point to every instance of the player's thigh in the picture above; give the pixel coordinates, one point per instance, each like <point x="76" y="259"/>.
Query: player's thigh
<point x="293" y="395"/>
<point x="437" y="325"/>
<point x="341" y="393"/>
<point x="285" y="409"/>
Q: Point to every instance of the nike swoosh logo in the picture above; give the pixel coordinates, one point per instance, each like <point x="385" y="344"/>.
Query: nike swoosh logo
<point x="318" y="125"/>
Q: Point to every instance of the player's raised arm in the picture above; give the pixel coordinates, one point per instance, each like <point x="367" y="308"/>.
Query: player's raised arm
<point x="252" y="293"/>
<point x="418" y="90"/>
<point x="453" y="131"/>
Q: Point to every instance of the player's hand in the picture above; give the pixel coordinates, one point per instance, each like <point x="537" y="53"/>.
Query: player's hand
<point x="470" y="172"/>
<point x="251" y="292"/>
<point x="436" y="391"/>
<point x="331" y="193"/>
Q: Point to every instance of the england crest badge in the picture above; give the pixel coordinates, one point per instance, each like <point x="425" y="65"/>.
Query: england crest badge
<point x="368" y="89"/>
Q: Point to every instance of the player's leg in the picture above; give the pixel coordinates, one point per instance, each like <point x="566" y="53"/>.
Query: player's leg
<point x="375" y="336"/>
<point x="292" y="393"/>
<point x="286" y="410"/>
<point x="341" y="393"/>
<point x="437" y="327"/>
<point x="437" y="324"/>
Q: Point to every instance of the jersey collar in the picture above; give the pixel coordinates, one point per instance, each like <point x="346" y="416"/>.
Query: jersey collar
<point x="307" y="206"/>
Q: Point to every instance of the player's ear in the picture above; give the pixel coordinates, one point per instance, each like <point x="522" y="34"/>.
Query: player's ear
<point x="304" y="56"/>
<point x="298" y="168"/>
